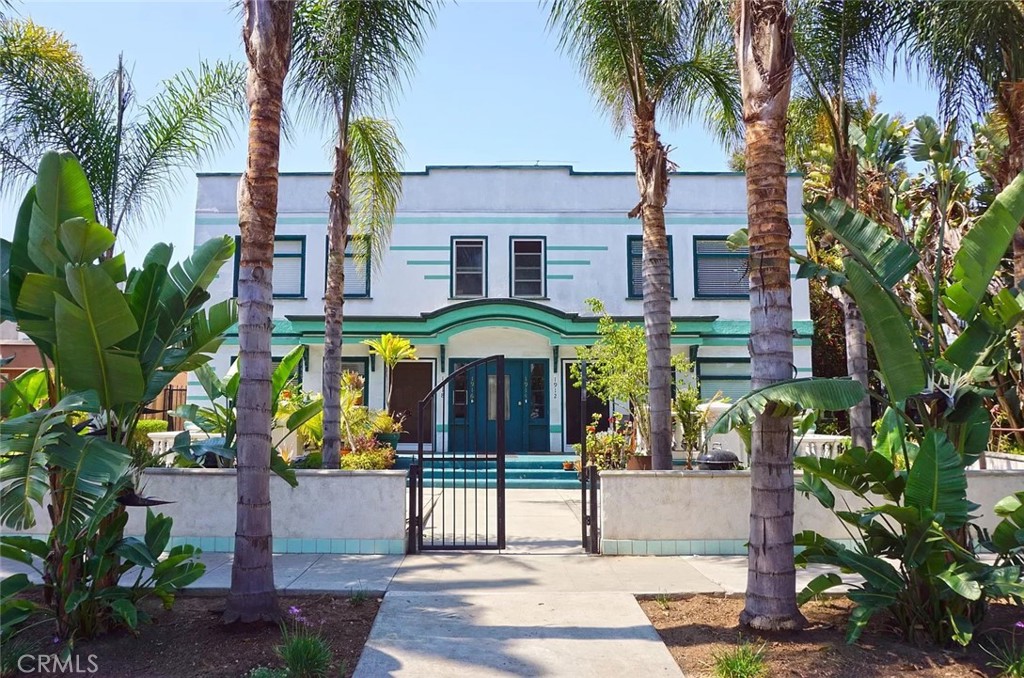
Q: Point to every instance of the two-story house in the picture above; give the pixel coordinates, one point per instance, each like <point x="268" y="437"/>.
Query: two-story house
<point x="486" y="260"/>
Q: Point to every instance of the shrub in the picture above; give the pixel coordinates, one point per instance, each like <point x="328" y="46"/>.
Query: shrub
<point x="141" y="446"/>
<point x="376" y="459"/>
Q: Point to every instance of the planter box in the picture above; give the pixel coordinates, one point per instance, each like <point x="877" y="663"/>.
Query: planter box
<point x="329" y="512"/>
<point x="708" y="512"/>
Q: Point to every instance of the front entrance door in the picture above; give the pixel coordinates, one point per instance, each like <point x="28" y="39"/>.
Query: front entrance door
<point x="575" y="415"/>
<point x="526" y="407"/>
<point x="413" y="381"/>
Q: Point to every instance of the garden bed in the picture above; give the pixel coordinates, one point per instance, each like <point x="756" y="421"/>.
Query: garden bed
<point x="698" y="628"/>
<point x="190" y="639"/>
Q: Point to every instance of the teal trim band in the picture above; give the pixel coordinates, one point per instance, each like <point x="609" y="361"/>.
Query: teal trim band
<point x="682" y="547"/>
<point x="442" y="428"/>
<point x="578" y="248"/>
<point x="556" y="428"/>
<point x="428" y="262"/>
<point x="552" y="276"/>
<point x="418" y="248"/>
<point x="320" y="222"/>
<point x="569" y="262"/>
<point x="437" y="277"/>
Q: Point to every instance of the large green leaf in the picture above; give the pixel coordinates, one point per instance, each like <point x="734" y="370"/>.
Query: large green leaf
<point x="62" y="193"/>
<point x="84" y="240"/>
<point x="982" y="250"/>
<point x="937" y="481"/>
<point x="886" y="257"/>
<point x="87" y="334"/>
<point x="197" y="272"/>
<point x="817" y="586"/>
<point x="842" y="476"/>
<point x="902" y="367"/>
<point x="206" y="334"/>
<point x="24" y="393"/>
<point x="283" y="372"/>
<point x="791" y="397"/>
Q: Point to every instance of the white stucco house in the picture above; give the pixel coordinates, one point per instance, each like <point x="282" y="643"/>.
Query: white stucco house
<point x="487" y="260"/>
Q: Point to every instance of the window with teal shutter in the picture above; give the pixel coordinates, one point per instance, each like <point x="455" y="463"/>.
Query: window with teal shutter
<point x="635" y="257"/>
<point x="718" y="271"/>
<point x="357" y="271"/>
<point x="289" y="276"/>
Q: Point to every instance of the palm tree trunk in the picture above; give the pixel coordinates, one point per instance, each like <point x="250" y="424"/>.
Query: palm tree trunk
<point x="765" y="56"/>
<point x="844" y="187"/>
<point x="652" y="169"/>
<point x="267" y="34"/>
<point x="334" y="299"/>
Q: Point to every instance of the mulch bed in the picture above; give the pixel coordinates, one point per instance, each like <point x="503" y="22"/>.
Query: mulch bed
<point x="697" y="628"/>
<point x="190" y="640"/>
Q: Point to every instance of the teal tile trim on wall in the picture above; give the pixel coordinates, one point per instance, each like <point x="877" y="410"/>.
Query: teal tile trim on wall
<point x="309" y="546"/>
<point x="556" y="428"/>
<point x="682" y="547"/>
<point x="437" y="277"/>
<point x="568" y="262"/>
<point x="320" y="222"/>
<point x="428" y="262"/>
<point x="559" y="277"/>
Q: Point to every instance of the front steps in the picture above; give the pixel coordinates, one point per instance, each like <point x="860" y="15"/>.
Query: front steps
<point x="522" y="471"/>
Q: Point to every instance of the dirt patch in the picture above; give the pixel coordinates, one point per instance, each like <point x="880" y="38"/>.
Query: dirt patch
<point x="190" y="639"/>
<point x="697" y="628"/>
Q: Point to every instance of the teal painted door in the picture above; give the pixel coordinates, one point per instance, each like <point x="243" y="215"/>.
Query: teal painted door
<point x="473" y="419"/>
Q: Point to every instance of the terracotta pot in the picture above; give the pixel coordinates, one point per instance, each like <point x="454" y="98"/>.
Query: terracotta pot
<point x="639" y="463"/>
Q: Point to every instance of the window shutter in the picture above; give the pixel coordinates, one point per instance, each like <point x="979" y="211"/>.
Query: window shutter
<point x="636" y="267"/>
<point x="287" y="276"/>
<point x="721" y="272"/>
<point x="731" y="378"/>
<point x="355" y="278"/>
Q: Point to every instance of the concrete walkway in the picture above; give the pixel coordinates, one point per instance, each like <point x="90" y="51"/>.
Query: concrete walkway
<point x="540" y="608"/>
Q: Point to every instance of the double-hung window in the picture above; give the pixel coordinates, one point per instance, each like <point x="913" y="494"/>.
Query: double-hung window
<point x="635" y="260"/>
<point x="719" y="271"/>
<point x="357" y="269"/>
<point x="469" y="267"/>
<point x="729" y="376"/>
<point x="527" y="267"/>
<point x="289" y="266"/>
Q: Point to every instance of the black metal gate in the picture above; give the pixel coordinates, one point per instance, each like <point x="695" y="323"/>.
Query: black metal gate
<point x="457" y="487"/>
<point x="589" y="478"/>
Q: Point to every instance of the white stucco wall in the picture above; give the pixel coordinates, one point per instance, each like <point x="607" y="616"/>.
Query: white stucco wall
<point x="711" y="505"/>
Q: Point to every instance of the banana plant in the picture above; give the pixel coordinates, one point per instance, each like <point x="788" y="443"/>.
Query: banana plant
<point x="935" y="425"/>
<point x="111" y="340"/>
<point x="219" y="420"/>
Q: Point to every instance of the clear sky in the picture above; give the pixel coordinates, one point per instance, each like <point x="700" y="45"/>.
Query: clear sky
<point x="490" y="88"/>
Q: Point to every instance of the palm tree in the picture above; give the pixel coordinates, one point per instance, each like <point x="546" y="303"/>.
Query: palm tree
<point x="639" y="56"/>
<point x="764" y="53"/>
<point x="974" y="53"/>
<point x="132" y="152"/>
<point x="349" y="57"/>
<point x="838" y="43"/>
<point x="267" y="32"/>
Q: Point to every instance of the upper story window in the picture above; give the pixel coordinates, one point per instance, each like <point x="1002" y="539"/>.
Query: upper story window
<point x="717" y="270"/>
<point x="289" y="266"/>
<point x="357" y="273"/>
<point x="526" y="267"/>
<point x="635" y="260"/>
<point x="469" y="267"/>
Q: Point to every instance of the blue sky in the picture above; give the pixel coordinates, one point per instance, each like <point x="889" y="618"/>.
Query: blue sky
<point x="490" y="88"/>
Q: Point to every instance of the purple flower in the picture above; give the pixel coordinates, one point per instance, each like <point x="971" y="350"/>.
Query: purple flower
<point x="56" y="639"/>
<point x="294" y="611"/>
<point x="1020" y="624"/>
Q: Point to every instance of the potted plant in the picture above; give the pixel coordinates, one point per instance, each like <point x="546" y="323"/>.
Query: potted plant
<point x="387" y="428"/>
<point x="568" y="465"/>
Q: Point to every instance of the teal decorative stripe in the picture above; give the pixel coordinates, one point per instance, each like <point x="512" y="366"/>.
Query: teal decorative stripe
<point x="442" y="428"/>
<point x="681" y="547"/>
<point x="556" y="428"/>
<point x="569" y="262"/>
<point x="419" y="248"/>
<point x="559" y="277"/>
<point x="577" y="248"/>
<point x="437" y="277"/>
<point x="429" y="262"/>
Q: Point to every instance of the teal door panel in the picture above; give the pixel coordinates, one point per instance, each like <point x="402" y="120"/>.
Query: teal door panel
<point x="472" y="402"/>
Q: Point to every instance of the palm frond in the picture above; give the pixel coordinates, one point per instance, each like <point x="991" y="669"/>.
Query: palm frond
<point x="376" y="156"/>
<point x="189" y="120"/>
<point x="359" y="52"/>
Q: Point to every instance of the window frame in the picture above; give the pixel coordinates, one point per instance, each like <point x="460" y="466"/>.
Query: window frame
<point x="543" y="240"/>
<point x="721" y="255"/>
<point x="327" y="263"/>
<point x="726" y="377"/>
<point x="289" y="255"/>
<point x="453" y="266"/>
<point x="630" y="239"/>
